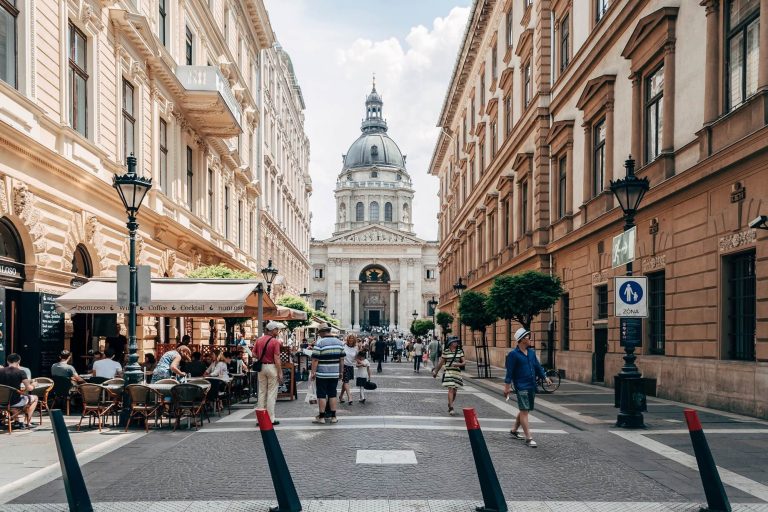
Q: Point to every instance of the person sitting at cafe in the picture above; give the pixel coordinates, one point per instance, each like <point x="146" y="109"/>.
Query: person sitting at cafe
<point x="219" y="369"/>
<point x="196" y="368"/>
<point x="13" y="376"/>
<point x="170" y="364"/>
<point x="107" y="367"/>
<point x="97" y="355"/>
<point x="207" y="359"/>
<point x="64" y="369"/>
<point x="149" y="362"/>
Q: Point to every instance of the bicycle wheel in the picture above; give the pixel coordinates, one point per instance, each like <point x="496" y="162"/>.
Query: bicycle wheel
<point x="554" y="376"/>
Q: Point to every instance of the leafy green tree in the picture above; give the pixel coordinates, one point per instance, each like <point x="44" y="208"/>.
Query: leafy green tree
<point x="523" y="296"/>
<point x="223" y="272"/>
<point x="422" y="326"/>
<point x="326" y="317"/>
<point x="297" y="303"/>
<point x="474" y="313"/>
<point x="445" y="321"/>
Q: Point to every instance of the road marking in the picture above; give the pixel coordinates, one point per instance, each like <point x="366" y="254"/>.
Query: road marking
<point x="742" y="483"/>
<point x="51" y="472"/>
<point x="605" y="404"/>
<point x="710" y="431"/>
<point x="438" y="391"/>
<point x="382" y="457"/>
<point x="343" y="425"/>
<point x="386" y="419"/>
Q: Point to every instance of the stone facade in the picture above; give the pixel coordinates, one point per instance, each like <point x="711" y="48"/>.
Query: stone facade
<point x="176" y="86"/>
<point x="374" y="271"/>
<point x="286" y="185"/>
<point x="544" y="106"/>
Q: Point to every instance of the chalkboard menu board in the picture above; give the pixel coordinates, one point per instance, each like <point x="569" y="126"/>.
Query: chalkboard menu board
<point x="51" y="332"/>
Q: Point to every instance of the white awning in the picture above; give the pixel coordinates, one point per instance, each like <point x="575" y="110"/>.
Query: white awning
<point x="172" y="298"/>
<point x="286" y="313"/>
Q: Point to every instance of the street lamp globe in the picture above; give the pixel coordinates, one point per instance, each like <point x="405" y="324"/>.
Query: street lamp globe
<point x="629" y="191"/>
<point x="459" y="287"/>
<point x="269" y="273"/>
<point x="131" y="187"/>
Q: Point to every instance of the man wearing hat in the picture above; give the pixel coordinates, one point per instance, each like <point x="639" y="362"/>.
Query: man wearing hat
<point x="267" y="351"/>
<point x="522" y="369"/>
<point x="327" y="368"/>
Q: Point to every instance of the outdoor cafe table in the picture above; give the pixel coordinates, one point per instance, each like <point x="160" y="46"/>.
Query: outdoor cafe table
<point x="165" y="389"/>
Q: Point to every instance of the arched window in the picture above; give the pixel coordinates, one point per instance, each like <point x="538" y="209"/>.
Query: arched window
<point x="373" y="213"/>
<point x="81" y="262"/>
<point x="10" y="244"/>
<point x="318" y="304"/>
<point x="388" y="212"/>
<point x="359" y="212"/>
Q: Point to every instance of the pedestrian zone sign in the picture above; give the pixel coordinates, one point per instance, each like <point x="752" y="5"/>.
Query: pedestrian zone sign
<point x="631" y="300"/>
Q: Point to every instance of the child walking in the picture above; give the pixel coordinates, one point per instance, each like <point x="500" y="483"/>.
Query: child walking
<point x="362" y="373"/>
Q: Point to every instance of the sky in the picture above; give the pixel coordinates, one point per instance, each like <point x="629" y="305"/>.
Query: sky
<point x="336" y="46"/>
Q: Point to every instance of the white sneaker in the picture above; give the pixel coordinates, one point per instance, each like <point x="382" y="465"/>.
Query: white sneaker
<point x="531" y="443"/>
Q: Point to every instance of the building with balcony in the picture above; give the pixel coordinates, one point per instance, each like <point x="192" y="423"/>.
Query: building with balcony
<point x="285" y="219"/>
<point x="373" y="272"/>
<point x="547" y="100"/>
<point x="82" y="86"/>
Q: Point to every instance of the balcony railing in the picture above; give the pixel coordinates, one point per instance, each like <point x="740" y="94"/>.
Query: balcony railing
<point x="374" y="184"/>
<point x="210" y="96"/>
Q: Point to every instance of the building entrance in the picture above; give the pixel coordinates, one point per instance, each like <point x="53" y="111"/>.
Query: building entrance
<point x="374" y="297"/>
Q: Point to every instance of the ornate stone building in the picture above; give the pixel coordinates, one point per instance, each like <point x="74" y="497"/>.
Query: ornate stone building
<point x="373" y="271"/>
<point x="83" y="85"/>
<point x="546" y="101"/>
<point x="284" y="230"/>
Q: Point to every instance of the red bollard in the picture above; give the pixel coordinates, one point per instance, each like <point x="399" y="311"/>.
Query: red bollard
<point x="493" y="497"/>
<point x="287" y="499"/>
<point x="717" y="500"/>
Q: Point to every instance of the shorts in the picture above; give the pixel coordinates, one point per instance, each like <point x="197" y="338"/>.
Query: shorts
<point x="525" y="399"/>
<point x="349" y="374"/>
<point x="23" y="401"/>
<point x="326" y="388"/>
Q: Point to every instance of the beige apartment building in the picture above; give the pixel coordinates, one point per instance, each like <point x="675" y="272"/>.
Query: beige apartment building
<point x="547" y="100"/>
<point x="284" y="217"/>
<point x="84" y="84"/>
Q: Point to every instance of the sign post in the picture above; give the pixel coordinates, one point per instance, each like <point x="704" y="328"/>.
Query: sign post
<point x="623" y="248"/>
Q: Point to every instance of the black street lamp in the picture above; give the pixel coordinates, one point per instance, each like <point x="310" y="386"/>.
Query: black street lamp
<point x="415" y="315"/>
<point x="269" y="273"/>
<point x="132" y="188"/>
<point x="459" y="288"/>
<point x="629" y="191"/>
<point x="305" y="295"/>
<point x="432" y="305"/>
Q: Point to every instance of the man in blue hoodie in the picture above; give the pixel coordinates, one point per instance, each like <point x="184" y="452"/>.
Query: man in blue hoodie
<point x="522" y="369"/>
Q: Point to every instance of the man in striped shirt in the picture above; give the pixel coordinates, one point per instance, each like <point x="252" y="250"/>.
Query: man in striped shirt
<point x="327" y="367"/>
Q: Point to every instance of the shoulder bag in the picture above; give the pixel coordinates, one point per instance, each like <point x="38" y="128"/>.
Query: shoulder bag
<point x="258" y="364"/>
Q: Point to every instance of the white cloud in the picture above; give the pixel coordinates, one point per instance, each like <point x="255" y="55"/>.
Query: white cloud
<point x="334" y="68"/>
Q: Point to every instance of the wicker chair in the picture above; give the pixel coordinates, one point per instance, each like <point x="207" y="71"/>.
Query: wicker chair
<point x="115" y="382"/>
<point x="187" y="400"/>
<point x="97" y="403"/>
<point x="167" y="381"/>
<point x="97" y="380"/>
<point x="42" y="395"/>
<point x="145" y="402"/>
<point x="62" y="391"/>
<point x="7" y="411"/>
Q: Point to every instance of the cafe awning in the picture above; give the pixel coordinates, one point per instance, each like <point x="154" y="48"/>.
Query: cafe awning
<point x="284" y="313"/>
<point x="174" y="298"/>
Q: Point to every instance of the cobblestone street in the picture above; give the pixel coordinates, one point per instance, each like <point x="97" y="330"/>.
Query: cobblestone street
<point x="580" y="458"/>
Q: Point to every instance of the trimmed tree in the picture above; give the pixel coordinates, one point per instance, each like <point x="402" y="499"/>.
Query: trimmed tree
<point x="223" y="272"/>
<point x="521" y="297"/>
<point x="297" y="303"/>
<point x="326" y="317"/>
<point x="444" y="320"/>
<point x="474" y="313"/>
<point x="422" y="326"/>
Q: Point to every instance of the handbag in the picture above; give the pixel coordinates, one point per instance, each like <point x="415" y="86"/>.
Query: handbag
<point x="370" y="386"/>
<point x="360" y="381"/>
<point x="311" y="397"/>
<point x="257" y="365"/>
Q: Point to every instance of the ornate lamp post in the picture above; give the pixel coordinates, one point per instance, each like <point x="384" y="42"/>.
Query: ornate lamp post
<point x="415" y="315"/>
<point x="305" y="295"/>
<point x="132" y="188"/>
<point x="459" y="288"/>
<point x="432" y="305"/>
<point x="629" y="191"/>
<point x="269" y="273"/>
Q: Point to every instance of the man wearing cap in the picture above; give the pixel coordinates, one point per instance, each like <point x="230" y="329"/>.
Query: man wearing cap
<point x="522" y="368"/>
<point x="267" y="350"/>
<point x="327" y="367"/>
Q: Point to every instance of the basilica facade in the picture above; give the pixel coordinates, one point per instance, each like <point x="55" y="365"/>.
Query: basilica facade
<point x="374" y="272"/>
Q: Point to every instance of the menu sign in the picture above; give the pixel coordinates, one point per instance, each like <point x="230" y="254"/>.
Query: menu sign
<point x="51" y="331"/>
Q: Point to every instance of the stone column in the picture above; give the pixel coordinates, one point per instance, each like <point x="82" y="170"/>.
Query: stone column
<point x="712" y="64"/>
<point x="346" y="307"/>
<point x="330" y="301"/>
<point x="668" y="126"/>
<point x="356" y="306"/>
<point x="392" y="307"/>
<point x="418" y="278"/>
<point x="403" y="305"/>
<point x="762" y="69"/>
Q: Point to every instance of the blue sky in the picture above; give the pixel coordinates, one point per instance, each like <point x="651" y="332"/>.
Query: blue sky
<point x="335" y="46"/>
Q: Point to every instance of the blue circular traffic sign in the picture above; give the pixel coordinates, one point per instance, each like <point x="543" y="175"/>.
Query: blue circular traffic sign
<point x="631" y="293"/>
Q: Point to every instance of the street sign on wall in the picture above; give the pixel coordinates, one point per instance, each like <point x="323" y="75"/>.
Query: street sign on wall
<point x="631" y="297"/>
<point x="623" y="250"/>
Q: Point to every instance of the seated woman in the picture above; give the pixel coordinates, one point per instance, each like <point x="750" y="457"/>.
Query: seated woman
<point x="149" y="363"/>
<point x="219" y="369"/>
<point x="170" y="364"/>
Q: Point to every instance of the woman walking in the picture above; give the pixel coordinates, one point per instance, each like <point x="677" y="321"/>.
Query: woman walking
<point x="418" y="353"/>
<point x="452" y="361"/>
<point x="350" y="352"/>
